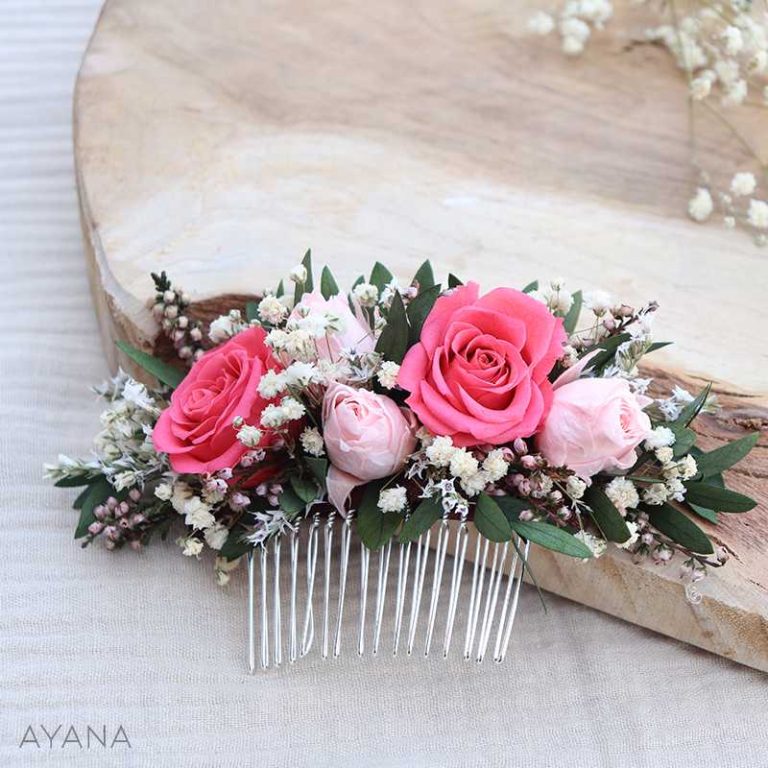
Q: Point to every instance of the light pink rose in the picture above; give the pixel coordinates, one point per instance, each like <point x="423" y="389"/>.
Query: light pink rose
<point x="354" y="334"/>
<point x="367" y="437"/>
<point x="594" y="425"/>
<point x="479" y="372"/>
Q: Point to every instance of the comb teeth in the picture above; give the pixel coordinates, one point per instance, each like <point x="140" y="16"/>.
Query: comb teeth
<point x="401" y="584"/>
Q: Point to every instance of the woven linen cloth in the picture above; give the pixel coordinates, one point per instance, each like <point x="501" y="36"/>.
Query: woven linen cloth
<point x="150" y="642"/>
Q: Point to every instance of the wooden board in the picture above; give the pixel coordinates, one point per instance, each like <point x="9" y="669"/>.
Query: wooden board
<point x="219" y="140"/>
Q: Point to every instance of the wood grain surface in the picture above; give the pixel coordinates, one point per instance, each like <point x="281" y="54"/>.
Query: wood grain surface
<point x="218" y="141"/>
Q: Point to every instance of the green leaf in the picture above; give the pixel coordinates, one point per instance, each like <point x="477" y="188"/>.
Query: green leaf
<point x="716" y="480"/>
<point x="98" y="492"/>
<point x="679" y="527"/>
<point x="512" y="506"/>
<point x="163" y="372"/>
<point x="380" y="276"/>
<point x="328" y="286"/>
<point x="393" y="342"/>
<point x="418" y="310"/>
<point x="719" y="499"/>
<point x="80" y="500"/>
<point x="534" y="286"/>
<point x="657" y="345"/>
<point x="606" y="516"/>
<point x="308" y="284"/>
<point x="552" y="537"/>
<point x="424" y="277"/>
<point x="607" y="351"/>
<point x="707" y="514"/>
<point x="453" y="281"/>
<point x="235" y="547"/>
<point x="685" y="439"/>
<point x="318" y="467"/>
<point x="375" y="527"/>
<point x="726" y="456"/>
<point x="74" y="482"/>
<point x="280" y="289"/>
<point x="422" y="519"/>
<point x="490" y="520"/>
<point x="305" y="489"/>
<point x="291" y="503"/>
<point x="691" y="410"/>
<point x="252" y="311"/>
<point x="572" y="318"/>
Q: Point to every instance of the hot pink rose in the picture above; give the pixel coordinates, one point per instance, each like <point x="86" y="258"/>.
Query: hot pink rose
<point x="353" y="334"/>
<point x="479" y="372"/>
<point x="594" y="426"/>
<point x="367" y="437"/>
<point x="196" y="429"/>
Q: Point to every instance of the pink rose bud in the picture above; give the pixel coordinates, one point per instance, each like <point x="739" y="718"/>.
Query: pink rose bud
<point x="367" y="437"/>
<point x="594" y="425"/>
<point x="520" y="446"/>
<point x="96" y="528"/>
<point x="135" y="494"/>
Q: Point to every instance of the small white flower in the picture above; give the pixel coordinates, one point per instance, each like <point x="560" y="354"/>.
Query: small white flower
<point x="249" y="436"/>
<point x="743" y="183"/>
<point x="634" y="535"/>
<point x="164" y="491"/>
<point x="463" y="464"/>
<point x="272" y="384"/>
<point x="622" y="493"/>
<point x="272" y="417"/>
<point x="272" y="310"/>
<point x="736" y="94"/>
<point x="495" y="465"/>
<point x="190" y="546"/>
<point x="675" y="489"/>
<point x="223" y="328"/>
<point x="298" y="274"/>
<point x="659" y="437"/>
<point x="388" y="373"/>
<point x="300" y="344"/>
<point x="476" y="483"/>
<point x="700" y="88"/>
<point x="594" y="543"/>
<point x="292" y="409"/>
<point x="312" y="441"/>
<point x="276" y="339"/>
<point x="441" y="451"/>
<point x="216" y="536"/>
<point x="598" y="301"/>
<point x="198" y="514"/>
<point x="300" y="374"/>
<point x="664" y="454"/>
<point x="367" y="294"/>
<point x="700" y="206"/>
<point x="757" y="215"/>
<point x="575" y="28"/>
<point x="727" y="71"/>
<point x="687" y="467"/>
<point x="575" y="487"/>
<point x="393" y="499"/>
<point x="540" y="24"/>
<point x="572" y="46"/>
<point x="733" y="40"/>
<point x="655" y="494"/>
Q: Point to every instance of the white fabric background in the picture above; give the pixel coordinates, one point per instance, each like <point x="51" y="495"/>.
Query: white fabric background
<point x="150" y="642"/>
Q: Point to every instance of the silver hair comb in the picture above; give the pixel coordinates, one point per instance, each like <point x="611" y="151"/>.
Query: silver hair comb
<point x="308" y="596"/>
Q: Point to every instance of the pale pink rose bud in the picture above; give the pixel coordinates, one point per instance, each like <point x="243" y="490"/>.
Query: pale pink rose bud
<point x="594" y="425"/>
<point x="520" y="446"/>
<point x="526" y="515"/>
<point x="124" y="507"/>
<point x="137" y="519"/>
<point x="262" y="489"/>
<point x="100" y="512"/>
<point x="529" y="462"/>
<point x="367" y="437"/>
<point x="647" y="539"/>
<point x="135" y="545"/>
<point x="273" y="500"/>
<point x="96" y="528"/>
<point x="111" y="533"/>
<point x="135" y="494"/>
<point x="238" y="501"/>
<point x="225" y="474"/>
<point x="111" y="503"/>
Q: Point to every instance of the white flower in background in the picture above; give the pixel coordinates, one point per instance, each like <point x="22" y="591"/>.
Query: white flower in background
<point x="312" y="441"/>
<point x="743" y="183"/>
<point x="733" y="40"/>
<point x="387" y="374"/>
<point x="700" y="206"/>
<point x="225" y="327"/>
<point x="181" y="494"/>
<point x="136" y="394"/>
<point x="463" y="464"/>
<point x="596" y="545"/>
<point x="575" y="28"/>
<point x="622" y="493"/>
<point x="216" y="536"/>
<point x="272" y="310"/>
<point x="659" y="438"/>
<point x="300" y="374"/>
<point x="634" y="535"/>
<point x="223" y="568"/>
<point x="599" y="302"/>
<point x="540" y="23"/>
<point x="757" y="215"/>
<point x="572" y="46"/>
<point x="249" y="436"/>
<point x="655" y="494"/>
<point x="298" y="274"/>
<point x="700" y="88"/>
<point x="735" y="95"/>
<point x="190" y="546"/>
<point x="441" y="451"/>
<point x="198" y="514"/>
<point x="366" y="294"/>
<point x="272" y="384"/>
<point x="393" y="499"/>
<point x="575" y="487"/>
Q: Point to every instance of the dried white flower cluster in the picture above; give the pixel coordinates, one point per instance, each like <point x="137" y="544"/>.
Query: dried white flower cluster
<point x="575" y="23"/>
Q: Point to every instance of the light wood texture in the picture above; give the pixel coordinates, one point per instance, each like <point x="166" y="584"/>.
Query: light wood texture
<point x="219" y="140"/>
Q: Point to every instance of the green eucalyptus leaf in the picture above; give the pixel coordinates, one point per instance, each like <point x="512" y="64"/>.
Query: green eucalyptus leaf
<point x="551" y="537"/>
<point x="235" y="547"/>
<point x="424" y="277"/>
<point x="74" y="482"/>
<point x="252" y="311"/>
<point x="305" y="489"/>
<point x="724" y="457"/>
<point x="685" y="439"/>
<point x="308" y="285"/>
<point x="512" y="506"/>
<point x="531" y="287"/>
<point x="490" y="520"/>
<point x="418" y="310"/>
<point x="98" y="492"/>
<point x="572" y="318"/>
<point x="606" y="516"/>
<point x="318" y="466"/>
<point x="691" y="410"/>
<point x="280" y="289"/>
<point x="380" y="276"/>
<point x="291" y="503"/>
<point x="163" y="372"/>
<point x="421" y="520"/>
<point x="375" y="527"/>
<point x="328" y="286"/>
<point x="453" y="281"/>
<point x="657" y="345"/>
<point x="393" y="342"/>
<point x="716" y="498"/>
<point x="679" y="527"/>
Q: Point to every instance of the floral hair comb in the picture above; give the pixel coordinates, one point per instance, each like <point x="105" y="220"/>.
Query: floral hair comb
<point x="440" y="430"/>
